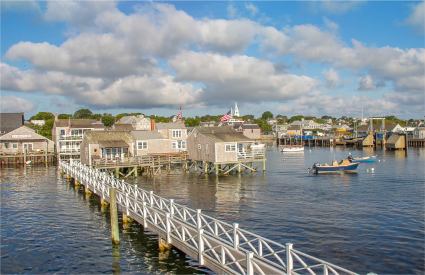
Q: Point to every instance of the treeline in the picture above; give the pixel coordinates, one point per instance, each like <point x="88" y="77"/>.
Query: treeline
<point x="108" y="119"/>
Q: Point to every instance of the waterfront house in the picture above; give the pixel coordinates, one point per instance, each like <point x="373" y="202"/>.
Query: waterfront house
<point x="138" y="123"/>
<point x="294" y="130"/>
<point x="106" y="146"/>
<point x="176" y="131"/>
<point x="25" y="140"/>
<point x="252" y="131"/>
<point x="218" y="145"/>
<point x="68" y="134"/>
<point x="10" y="122"/>
<point x="419" y="132"/>
<point x="152" y="142"/>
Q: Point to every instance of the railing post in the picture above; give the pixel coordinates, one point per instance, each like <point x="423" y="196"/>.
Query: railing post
<point x="223" y="256"/>
<point x="289" y="261"/>
<point x="198" y="219"/>
<point x="172" y="207"/>
<point x="235" y="235"/>
<point x="168" y="227"/>
<point x="151" y="197"/>
<point x="249" y="265"/>
<point x="325" y="269"/>
<point x="200" y="247"/>
<point x="145" y="224"/>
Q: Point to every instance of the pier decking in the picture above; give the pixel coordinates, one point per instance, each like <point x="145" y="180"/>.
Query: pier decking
<point x="217" y="245"/>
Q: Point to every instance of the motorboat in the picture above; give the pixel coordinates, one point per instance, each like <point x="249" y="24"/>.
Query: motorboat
<point x="343" y="166"/>
<point x="363" y="159"/>
<point x="292" y="149"/>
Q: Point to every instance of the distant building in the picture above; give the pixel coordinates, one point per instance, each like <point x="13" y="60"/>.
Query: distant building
<point x="218" y="145"/>
<point x="106" y="145"/>
<point x="38" y="122"/>
<point x="10" y="122"/>
<point x="138" y="123"/>
<point x="176" y="131"/>
<point x="152" y="142"/>
<point x="419" y="132"/>
<point x="207" y="124"/>
<point x="25" y="140"/>
<point x="294" y="130"/>
<point x="252" y="131"/>
<point x="307" y="124"/>
<point x="68" y="134"/>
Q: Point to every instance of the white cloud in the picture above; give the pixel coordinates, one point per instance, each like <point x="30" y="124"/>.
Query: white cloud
<point x="251" y="8"/>
<point x="366" y="83"/>
<point x="11" y="104"/>
<point x="239" y="77"/>
<point x="131" y="91"/>
<point x="335" y="6"/>
<point x="330" y="25"/>
<point x="417" y="17"/>
<point x="332" y="78"/>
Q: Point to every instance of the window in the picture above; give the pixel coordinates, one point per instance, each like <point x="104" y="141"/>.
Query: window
<point x="174" y="144"/>
<point x="142" y="145"/>
<point x="230" y="148"/>
<point x="15" y="145"/>
<point x="6" y="145"/>
<point x="62" y="132"/>
<point x="177" y="133"/>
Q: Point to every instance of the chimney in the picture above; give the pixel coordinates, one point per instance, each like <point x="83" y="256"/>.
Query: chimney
<point x="152" y="124"/>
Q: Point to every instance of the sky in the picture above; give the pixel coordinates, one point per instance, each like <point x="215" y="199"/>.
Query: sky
<point x="305" y="57"/>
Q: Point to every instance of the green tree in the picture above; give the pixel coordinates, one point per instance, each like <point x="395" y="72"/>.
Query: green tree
<point x="64" y="116"/>
<point x="192" y="122"/>
<point x="83" y="113"/>
<point x="267" y="115"/>
<point x="294" y="118"/>
<point x="108" y="120"/>
<point x="43" y="116"/>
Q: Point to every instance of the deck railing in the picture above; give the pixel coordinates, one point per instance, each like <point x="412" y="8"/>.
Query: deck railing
<point x="216" y="244"/>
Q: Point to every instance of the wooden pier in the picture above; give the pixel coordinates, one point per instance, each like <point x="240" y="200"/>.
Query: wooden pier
<point x="24" y="159"/>
<point x="220" y="246"/>
<point x="149" y="165"/>
<point x="316" y="141"/>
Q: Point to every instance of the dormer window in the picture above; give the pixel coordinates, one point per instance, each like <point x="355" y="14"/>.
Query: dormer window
<point x="177" y="133"/>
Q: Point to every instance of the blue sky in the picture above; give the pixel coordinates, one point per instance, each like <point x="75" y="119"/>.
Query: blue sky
<point x="315" y="58"/>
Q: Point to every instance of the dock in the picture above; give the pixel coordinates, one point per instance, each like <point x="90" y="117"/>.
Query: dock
<point x="22" y="159"/>
<point x="220" y="246"/>
<point x="149" y="165"/>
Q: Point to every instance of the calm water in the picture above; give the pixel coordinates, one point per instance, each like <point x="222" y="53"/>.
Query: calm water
<point x="372" y="221"/>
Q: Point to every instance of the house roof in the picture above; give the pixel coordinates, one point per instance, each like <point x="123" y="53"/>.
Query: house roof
<point x="294" y="127"/>
<point x="122" y="127"/>
<point x="10" y="121"/>
<point x="145" y="135"/>
<point x="133" y="119"/>
<point x="22" y="133"/>
<point x="222" y="134"/>
<point x="101" y="137"/>
<point x="113" y="143"/>
<point x="170" y="125"/>
<point x="250" y="126"/>
<point x="79" y="123"/>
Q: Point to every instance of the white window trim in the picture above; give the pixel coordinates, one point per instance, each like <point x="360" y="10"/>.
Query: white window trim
<point x="176" y="133"/>
<point x="14" y="144"/>
<point x="142" y="142"/>
<point x="230" y="145"/>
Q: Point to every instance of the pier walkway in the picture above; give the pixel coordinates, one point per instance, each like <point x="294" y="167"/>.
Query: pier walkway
<point x="217" y="245"/>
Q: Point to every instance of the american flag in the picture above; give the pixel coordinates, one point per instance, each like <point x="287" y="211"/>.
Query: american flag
<point x="226" y="117"/>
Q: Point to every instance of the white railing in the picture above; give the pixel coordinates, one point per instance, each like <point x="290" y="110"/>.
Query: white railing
<point x="226" y="245"/>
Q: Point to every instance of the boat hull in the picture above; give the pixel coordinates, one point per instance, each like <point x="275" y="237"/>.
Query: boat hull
<point x="330" y="169"/>
<point x="292" y="149"/>
<point x="364" y="160"/>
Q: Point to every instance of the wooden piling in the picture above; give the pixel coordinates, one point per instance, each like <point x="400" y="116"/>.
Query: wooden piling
<point x="114" y="216"/>
<point x="163" y="245"/>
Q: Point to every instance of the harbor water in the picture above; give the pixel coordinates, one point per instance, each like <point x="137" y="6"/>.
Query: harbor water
<point x="369" y="221"/>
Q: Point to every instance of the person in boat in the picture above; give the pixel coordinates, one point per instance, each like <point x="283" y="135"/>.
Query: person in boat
<point x="350" y="157"/>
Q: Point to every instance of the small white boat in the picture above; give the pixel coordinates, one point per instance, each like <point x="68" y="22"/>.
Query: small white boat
<point x="290" y="149"/>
